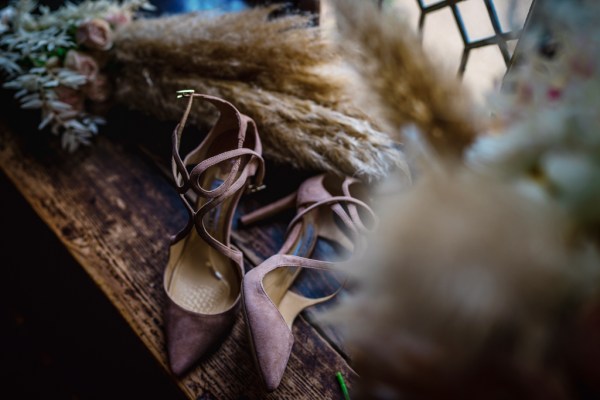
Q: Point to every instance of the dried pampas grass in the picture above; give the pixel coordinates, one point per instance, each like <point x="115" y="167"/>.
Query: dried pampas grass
<point x="294" y="131"/>
<point x="398" y="80"/>
<point x="280" y="72"/>
<point x="468" y="293"/>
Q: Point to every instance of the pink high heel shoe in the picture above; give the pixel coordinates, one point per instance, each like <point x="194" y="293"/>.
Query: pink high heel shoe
<point x="269" y="307"/>
<point x="203" y="276"/>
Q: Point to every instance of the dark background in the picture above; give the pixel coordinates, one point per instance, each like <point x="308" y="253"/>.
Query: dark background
<point x="60" y="337"/>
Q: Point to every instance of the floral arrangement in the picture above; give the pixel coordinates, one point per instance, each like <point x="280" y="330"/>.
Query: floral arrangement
<point x="55" y="61"/>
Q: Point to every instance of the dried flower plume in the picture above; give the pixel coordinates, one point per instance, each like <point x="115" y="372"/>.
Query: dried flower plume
<point x="399" y="81"/>
<point x="281" y="72"/>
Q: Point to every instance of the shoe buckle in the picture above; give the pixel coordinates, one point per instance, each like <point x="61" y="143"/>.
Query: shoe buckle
<point x="185" y="93"/>
<point x="252" y="188"/>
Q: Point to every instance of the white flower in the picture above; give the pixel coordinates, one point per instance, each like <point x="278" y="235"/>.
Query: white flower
<point x="6" y="16"/>
<point x="574" y="176"/>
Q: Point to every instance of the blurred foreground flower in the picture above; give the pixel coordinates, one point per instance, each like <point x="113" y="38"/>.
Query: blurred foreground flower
<point x="468" y="291"/>
<point x="483" y="281"/>
<point x="546" y="138"/>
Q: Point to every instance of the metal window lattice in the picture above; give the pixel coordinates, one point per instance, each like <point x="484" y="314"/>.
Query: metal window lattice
<point x="499" y="38"/>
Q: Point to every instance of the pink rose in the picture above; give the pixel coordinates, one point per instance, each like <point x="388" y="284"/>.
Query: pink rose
<point x="95" y="34"/>
<point x="81" y="63"/>
<point x="119" y="18"/>
<point x="98" y="89"/>
<point x="70" y="96"/>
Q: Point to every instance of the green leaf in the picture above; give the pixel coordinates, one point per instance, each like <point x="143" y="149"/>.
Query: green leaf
<point x="60" y="52"/>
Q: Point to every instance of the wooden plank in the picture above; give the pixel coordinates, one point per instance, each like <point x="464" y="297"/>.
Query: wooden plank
<point x="114" y="211"/>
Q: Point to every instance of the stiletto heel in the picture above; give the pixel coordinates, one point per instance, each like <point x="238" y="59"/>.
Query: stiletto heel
<point x="270" y="210"/>
<point x="204" y="273"/>
<point x="327" y="207"/>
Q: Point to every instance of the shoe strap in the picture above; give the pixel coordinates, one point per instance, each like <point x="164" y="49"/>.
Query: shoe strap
<point x="229" y="119"/>
<point x="352" y="222"/>
<point x="228" y="115"/>
<point x="216" y="199"/>
<point x="352" y="210"/>
<point x="224" y="188"/>
<point x="288" y="260"/>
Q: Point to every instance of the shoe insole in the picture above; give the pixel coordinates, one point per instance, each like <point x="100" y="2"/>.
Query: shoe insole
<point x="301" y="242"/>
<point x="204" y="280"/>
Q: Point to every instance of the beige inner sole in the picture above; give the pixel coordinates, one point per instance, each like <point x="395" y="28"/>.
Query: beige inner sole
<point x="278" y="281"/>
<point x="203" y="280"/>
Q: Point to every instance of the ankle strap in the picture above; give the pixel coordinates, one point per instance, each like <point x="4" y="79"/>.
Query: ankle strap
<point x="352" y="210"/>
<point x="335" y="201"/>
<point x="229" y="119"/>
<point x="351" y="218"/>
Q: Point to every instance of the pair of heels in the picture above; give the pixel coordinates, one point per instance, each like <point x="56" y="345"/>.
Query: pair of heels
<point x="204" y="278"/>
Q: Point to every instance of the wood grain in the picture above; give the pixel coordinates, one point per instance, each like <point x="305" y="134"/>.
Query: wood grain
<point x="114" y="211"/>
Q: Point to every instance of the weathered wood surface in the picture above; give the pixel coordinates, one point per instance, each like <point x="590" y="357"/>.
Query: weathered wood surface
<point x="113" y="210"/>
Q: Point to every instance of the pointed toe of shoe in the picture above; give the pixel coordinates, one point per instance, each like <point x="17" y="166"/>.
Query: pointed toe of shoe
<point x="186" y="347"/>
<point x="272" y="366"/>
<point x="190" y="336"/>
<point x="270" y="337"/>
<point x="181" y="359"/>
<point x="272" y="347"/>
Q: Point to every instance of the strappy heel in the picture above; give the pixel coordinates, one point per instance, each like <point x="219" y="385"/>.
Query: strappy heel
<point x="204" y="272"/>
<point x="327" y="207"/>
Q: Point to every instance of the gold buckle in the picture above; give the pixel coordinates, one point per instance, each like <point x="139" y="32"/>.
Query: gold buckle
<point x="185" y="93"/>
<point x="253" y="188"/>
